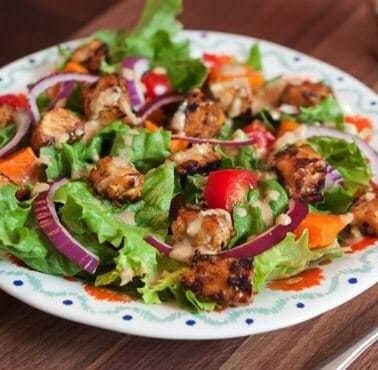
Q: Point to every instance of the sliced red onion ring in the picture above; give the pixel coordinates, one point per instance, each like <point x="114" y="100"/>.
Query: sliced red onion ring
<point x="23" y="121"/>
<point x="58" y="235"/>
<point x="307" y="132"/>
<point x="161" y="246"/>
<point x="333" y="177"/>
<point x="49" y="81"/>
<point x="65" y="91"/>
<point x="139" y="65"/>
<point x="132" y="70"/>
<point x="135" y="92"/>
<point x="159" y="102"/>
<point x="296" y="213"/>
<point x="230" y="143"/>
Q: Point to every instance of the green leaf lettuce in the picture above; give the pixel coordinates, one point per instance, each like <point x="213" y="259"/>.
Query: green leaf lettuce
<point x="288" y="258"/>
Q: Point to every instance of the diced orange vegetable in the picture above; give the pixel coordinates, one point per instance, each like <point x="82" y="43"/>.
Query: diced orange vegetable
<point x="75" y="67"/>
<point x="151" y="126"/>
<point x="287" y="126"/>
<point x="361" y="122"/>
<point x="216" y="60"/>
<point x="21" y="167"/>
<point x="256" y="79"/>
<point x="322" y="228"/>
<point x="178" y="145"/>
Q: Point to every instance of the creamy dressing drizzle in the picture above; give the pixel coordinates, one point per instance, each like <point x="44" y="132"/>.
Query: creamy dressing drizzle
<point x="179" y="118"/>
<point x="266" y="211"/>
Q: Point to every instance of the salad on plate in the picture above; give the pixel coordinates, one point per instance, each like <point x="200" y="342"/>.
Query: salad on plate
<point x="138" y="167"/>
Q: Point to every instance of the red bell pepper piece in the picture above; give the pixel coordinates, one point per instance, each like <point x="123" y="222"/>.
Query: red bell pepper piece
<point x="15" y="101"/>
<point x="156" y="84"/>
<point x="263" y="139"/>
<point x="216" y="60"/>
<point x="225" y="188"/>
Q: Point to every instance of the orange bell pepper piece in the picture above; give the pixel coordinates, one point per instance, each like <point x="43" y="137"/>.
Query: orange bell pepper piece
<point x="287" y="126"/>
<point x="323" y="228"/>
<point x="21" y="167"/>
<point x="75" y="68"/>
<point x="151" y="126"/>
<point x="256" y="79"/>
<point x="178" y="145"/>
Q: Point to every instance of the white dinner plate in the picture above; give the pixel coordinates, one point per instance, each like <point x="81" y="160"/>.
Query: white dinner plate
<point x="339" y="281"/>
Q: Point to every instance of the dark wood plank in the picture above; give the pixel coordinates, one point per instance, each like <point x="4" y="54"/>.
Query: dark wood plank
<point x="307" y="345"/>
<point x="367" y="360"/>
<point x="356" y="52"/>
<point x="30" y="25"/>
<point x="81" y="10"/>
<point x="324" y="28"/>
<point x="32" y="339"/>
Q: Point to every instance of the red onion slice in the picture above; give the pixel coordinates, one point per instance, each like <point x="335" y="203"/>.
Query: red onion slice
<point x="333" y="177"/>
<point x="307" y="132"/>
<point x="58" y="235"/>
<point x="49" y="81"/>
<point x="159" y="102"/>
<point x="135" y="92"/>
<point x="65" y="91"/>
<point x="296" y="213"/>
<point x="23" y="121"/>
<point x="161" y="246"/>
<point x="230" y="143"/>
<point x="139" y="65"/>
<point x="132" y="71"/>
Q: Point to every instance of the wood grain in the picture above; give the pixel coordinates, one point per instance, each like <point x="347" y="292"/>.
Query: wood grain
<point x="30" y="25"/>
<point x="335" y="31"/>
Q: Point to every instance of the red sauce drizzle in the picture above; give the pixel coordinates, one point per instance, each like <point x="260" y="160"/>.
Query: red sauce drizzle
<point x="306" y="279"/>
<point x="103" y="294"/>
<point x="363" y="244"/>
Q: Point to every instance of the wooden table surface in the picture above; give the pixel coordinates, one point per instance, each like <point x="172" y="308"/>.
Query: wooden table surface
<point x="339" y="32"/>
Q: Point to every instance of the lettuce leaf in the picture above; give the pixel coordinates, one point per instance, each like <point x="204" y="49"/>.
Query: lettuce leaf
<point x="169" y="284"/>
<point x="328" y="111"/>
<point x="336" y="200"/>
<point x="199" y="304"/>
<point x="346" y="158"/>
<point x="7" y="133"/>
<point x="288" y="258"/>
<point x="71" y="160"/>
<point x="144" y="149"/>
<point x="157" y="194"/>
<point x="136" y="258"/>
<point x="184" y="72"/>
<point x="85" y="215"/>
<point x="247" y="221"/>
<point x="278" y="198"/>
<point x="254" y="57"/>
<point x="194" y="187"/>
<point x="244" y="158"/>
<point x="20" y="237"/>
<point x="158" y="15"/>
<point x="153" y="38"/>
<point x="168" y="281"/>
<point x="82" y="212"/>
<point x="248" y="218"/>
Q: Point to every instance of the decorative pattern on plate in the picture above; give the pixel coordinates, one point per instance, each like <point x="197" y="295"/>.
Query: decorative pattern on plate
<point x="272" y="309"/>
